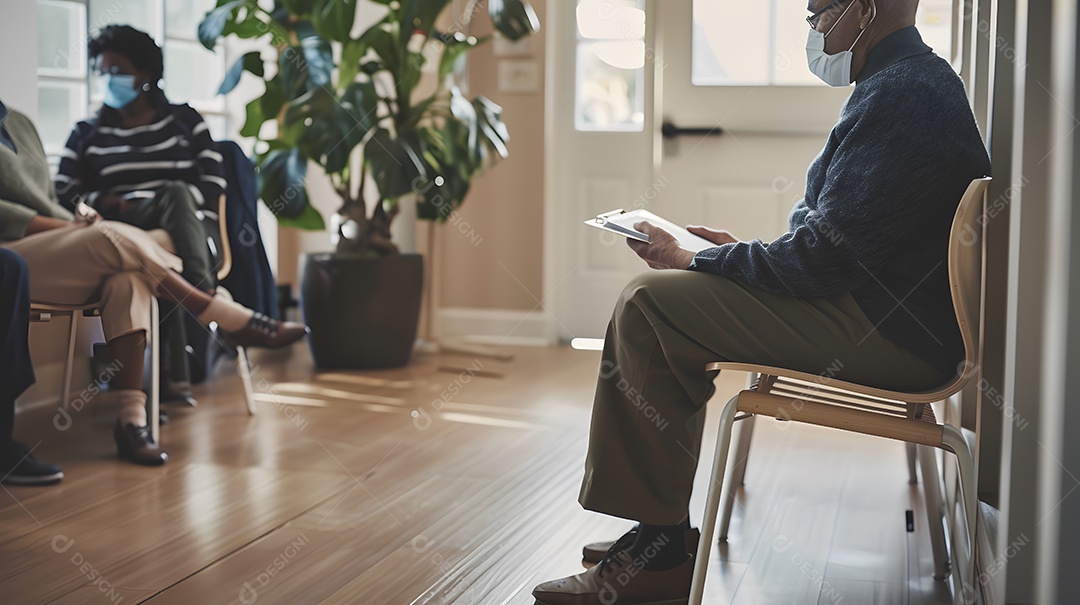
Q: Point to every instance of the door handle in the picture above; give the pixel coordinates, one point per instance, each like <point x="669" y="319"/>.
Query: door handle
<point x="670" y="131"/>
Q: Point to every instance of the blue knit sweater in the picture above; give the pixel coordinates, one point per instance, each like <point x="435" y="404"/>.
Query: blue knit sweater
<point x="879" y="203"/>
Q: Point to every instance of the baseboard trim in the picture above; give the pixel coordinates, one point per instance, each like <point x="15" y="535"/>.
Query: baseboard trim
<point x="496" y="326"/>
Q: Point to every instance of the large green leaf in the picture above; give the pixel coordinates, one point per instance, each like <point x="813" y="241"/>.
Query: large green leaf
<point x="251" y="62"/>
<point x="319" y="60"/>
<point x="494" y="131"/>
<point x="465" y="114"/>
<point x="455" y="46"/>
<point x="292" y="72"/>
<point x="396" y="165"/>
<point x="255" y="118"/>
<point x="273" y="99"/>
<point x="333" y="19"/>
<point x="379" y="39"/>
<point x="309" y="219"/>
<point x="351" y="53"/>
<point x="514" y="19"/>
<point x="213" y="24"/>
<point x="282" y="176"/>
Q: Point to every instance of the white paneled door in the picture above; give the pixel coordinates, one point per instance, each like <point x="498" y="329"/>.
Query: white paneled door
<point x="702" y="112"/>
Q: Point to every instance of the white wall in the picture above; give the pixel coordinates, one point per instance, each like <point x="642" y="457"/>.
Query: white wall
<point x="18" y="44"/>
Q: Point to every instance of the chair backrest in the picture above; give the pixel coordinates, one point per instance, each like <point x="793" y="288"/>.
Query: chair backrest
<point x="217" y="238"/>
<point x="967" y="273"/>
<point x="225" y="264"/>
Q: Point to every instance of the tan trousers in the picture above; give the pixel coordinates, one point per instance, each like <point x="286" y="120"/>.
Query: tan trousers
<point x="114" y="263"/>
<point x="648" y="411"/>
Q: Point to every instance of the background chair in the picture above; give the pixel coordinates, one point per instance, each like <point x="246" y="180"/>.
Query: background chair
<point x="218" y="240"/>
<point x="800" y="397"/>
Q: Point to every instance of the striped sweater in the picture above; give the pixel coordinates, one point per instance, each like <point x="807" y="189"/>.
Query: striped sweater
<point x="102" y="158"/>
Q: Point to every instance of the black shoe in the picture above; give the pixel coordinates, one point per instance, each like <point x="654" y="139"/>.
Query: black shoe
<point x="162" y="418"/>
<point x="135" y="443"/>
<point x="177" y="392"/>
<point x="266" y="332"/>
<point x="19" y="467"/>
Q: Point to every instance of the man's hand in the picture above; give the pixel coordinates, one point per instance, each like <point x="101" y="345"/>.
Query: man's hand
<point x="663" y="250"/>
<point x="718" y="237"/>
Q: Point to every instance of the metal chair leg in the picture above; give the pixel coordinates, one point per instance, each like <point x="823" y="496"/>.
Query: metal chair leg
<point x="73" y="331"/>
<point x="912" y="463"/>
<point x="953" y="440"/>
<point x="712" y="500"/>
<point x="154" y="400"/>
<point x="927" y="458"/>
<point x="738" y="472"/>
<point x="243" y="366"/>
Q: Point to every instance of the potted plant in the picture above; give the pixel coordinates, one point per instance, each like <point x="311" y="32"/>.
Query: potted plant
<point x="350" y="105"/>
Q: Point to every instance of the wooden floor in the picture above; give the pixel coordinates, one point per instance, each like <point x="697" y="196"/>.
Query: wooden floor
<point x="451" y="481"/>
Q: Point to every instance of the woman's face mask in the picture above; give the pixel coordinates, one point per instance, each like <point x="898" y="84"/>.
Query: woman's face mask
<point x="120" y="90"/>
<point x="834" y="70"/>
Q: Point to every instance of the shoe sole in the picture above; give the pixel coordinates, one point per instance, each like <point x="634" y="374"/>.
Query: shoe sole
<point x="34" y="480"/>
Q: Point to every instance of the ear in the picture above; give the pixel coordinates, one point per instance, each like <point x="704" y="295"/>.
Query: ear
<point x="867" y="12"/>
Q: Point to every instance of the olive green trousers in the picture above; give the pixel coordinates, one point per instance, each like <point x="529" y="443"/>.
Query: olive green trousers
<point x="649" y="407"/>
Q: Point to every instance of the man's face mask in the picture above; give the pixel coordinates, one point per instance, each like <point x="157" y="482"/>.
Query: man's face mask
<point x="834" y="70"/>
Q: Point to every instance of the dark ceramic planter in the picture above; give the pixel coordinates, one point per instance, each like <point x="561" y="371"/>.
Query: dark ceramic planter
<point x="363" y="312"/>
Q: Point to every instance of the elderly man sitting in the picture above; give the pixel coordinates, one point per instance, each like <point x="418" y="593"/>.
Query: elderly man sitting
<point x="858" y="284"/>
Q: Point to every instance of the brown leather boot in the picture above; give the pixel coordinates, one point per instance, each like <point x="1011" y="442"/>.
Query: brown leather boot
<point x="135" y="443"/>
<point x="266" y="332"/>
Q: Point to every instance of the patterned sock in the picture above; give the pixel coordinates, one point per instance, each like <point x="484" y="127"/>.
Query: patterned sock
<point x="132" y="407"/>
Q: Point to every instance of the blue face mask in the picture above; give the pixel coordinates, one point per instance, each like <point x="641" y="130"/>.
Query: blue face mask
<point x="120" y="90"/>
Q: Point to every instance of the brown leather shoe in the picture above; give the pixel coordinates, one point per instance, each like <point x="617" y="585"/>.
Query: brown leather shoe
<point x="593" y="553"/>
<point x="620" y="580"/>
<point x="266" y="332"/>
<point x="135" y="443"/>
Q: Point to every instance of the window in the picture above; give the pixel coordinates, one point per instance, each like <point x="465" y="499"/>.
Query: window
<point x="609" y="91"/>
<point x="61" y="71"/>
<point x="67" y="93"/>
<point x="762" y="43"/>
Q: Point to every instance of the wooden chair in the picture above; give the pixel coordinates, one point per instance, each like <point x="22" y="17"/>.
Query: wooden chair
<point x="800" y="397"/>
<point x="222" y="252"/>
<point x="44" y="312"/>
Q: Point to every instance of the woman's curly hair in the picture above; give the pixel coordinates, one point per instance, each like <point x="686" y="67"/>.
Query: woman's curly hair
<point x="136" y="46"/>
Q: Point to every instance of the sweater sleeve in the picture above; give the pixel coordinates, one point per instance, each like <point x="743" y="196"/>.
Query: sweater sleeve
<point x="211" y="182"/>
<point x="867" y="207"/>
<point x="14" y="218"/>
<point x="69" y="189"/>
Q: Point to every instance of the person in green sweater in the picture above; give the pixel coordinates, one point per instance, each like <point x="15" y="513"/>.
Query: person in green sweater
<point x="80" y="259"/>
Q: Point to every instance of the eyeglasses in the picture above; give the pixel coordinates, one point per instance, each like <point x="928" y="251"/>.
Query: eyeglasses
<point x="816" y="17"/>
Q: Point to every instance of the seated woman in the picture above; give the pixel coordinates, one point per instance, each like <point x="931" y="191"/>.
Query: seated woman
<point x="142" y="160"/>
<point x="148" y="163"/>
<point x="122" y="267"/>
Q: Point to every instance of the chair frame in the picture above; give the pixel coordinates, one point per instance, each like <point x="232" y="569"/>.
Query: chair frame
<point x="243" y="365"/>
<point x="801" y="397"/>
